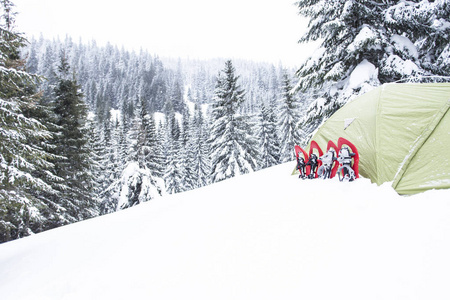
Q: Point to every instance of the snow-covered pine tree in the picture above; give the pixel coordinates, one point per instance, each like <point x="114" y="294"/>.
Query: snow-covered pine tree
<point x="123" y="143"/>
<point x="233" y="146"/>
<point x="138" y="180"/>
<point x="72" y="143"/>
<point x="368" y="43"/>
<point x="106" y="148"/>
<point x="173" y="177"/>
<point x="118" y="164"/>
<point x="46" y="67"/>
<point x="269" y="146"/>
<point x="25" y="170"/>
<point x="288" y="116"/>
<point x="43" y="111"/>
<point x="176" y="93"/>
<point x="108" y="165"/>
<point x="147" y="147"/>
<point x="94" y="131"/>
<point x="198" y="150"/>
<point x="274" y="84"/>
<point x="134" y="186"/>
<point x="189" y="177"/>
<point x="426" y="25"/>
<point x="32" y="60"/>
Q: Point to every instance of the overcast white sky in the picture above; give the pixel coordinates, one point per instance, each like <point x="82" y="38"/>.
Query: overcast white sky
<point x="262" y="30"/>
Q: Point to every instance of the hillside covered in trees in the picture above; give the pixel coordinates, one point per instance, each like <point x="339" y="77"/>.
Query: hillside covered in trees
<point x="87" y="130"/>
<point x="126" y="127"/>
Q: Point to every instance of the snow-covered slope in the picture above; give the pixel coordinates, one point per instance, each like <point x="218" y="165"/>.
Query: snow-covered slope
<point x="266" y="235"/>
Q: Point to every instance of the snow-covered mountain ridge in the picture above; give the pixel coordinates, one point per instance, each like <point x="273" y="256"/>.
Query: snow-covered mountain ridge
<point x="264" y="235"/>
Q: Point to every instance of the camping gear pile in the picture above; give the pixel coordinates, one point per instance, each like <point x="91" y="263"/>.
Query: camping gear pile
<point x="402" y="131"/>
<point x="327" y="165"/>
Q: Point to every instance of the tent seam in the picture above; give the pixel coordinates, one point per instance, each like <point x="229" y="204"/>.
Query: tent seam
<point x="420" y="141"/>
<point x="377" y="134"/>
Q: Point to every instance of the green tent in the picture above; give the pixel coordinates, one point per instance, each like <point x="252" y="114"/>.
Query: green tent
<point x="402" y="132"/>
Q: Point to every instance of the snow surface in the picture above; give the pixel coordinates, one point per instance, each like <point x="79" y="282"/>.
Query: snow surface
<point x="364" y="36"/>
<point x="265" y="235"/>
<point x="315" y="57"/>
<point x="403" y="44"/>
<point x="400" y="66"/>
<point x="363" y="72"/>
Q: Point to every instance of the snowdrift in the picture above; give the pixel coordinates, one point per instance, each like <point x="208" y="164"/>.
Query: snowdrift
<point x="265" y="235"/>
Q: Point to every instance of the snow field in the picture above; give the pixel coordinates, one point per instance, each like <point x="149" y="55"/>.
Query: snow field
<point x="265" y="235"/>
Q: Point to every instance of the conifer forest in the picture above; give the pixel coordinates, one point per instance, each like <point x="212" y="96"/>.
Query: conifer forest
<point x="87" y="130"/>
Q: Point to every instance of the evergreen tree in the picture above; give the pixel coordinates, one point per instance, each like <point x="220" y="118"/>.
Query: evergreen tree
<point x="136" y="182"/>
<point x="190" y="178"/>
<point x="72" y="143"/>
<point x="43" y="111"/>
<point x="268" y="139"/>
<point x="134" y="186"/>
<point x="199" y="163"/>
<point x="173" y="177"/>
<point x="176" y="96"/>
<point x="425" y="24"/>
<point x="100" y="177"/>
<point x="288" y="118"/>
<point x="123" y="142"/>
<point x="233" y="147"/>
<point x="147" y="148"/>
<point x="32" y="60"/>
<point x="105" y="156"/>
<point x="46" y="68"/>
<point x="25" y="167"/>
<point x="368" y="43"/>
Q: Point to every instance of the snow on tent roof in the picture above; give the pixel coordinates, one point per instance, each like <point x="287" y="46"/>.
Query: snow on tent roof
<point x="402" y="132"/>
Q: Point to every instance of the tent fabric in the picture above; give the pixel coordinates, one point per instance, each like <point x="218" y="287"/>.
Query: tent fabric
<point x="402" y="133"/>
